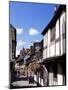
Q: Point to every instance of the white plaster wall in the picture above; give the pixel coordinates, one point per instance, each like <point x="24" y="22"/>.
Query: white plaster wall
<point x="35" y="78"/>
<point x="48" y="48"/>
<point x="57" y="29"/>
<point x="60" y="75"/>
<point x="61" y="46"/>
<point x="57" y="49"/>
<point x="52" y="50"/>
<point x="61" y="19"/>
<point x="44" y="54"/>
<point x="48" y="52"/>
<point x="55" y="83"/>
<point x="48" y="37"/>
<point x="39" y="80"/>
<point x="45" y="40"/>
<point x="42" y="82"/>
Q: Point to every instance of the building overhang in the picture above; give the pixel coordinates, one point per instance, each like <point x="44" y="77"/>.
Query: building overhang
<point x="57" y="59"/>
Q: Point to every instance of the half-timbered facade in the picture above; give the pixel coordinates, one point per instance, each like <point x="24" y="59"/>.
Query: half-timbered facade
<point x="54" y="47"/>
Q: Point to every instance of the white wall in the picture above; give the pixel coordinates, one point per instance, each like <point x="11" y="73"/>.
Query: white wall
<point x="48" y="49"/>
<point x="45" y="42"/>
<point x="52" y="50"/>
<point x="42" y="82"/>
<point x="61" y="19"/>
<point x="57" y="49"/>
<point x="44" y="54"/>
<point x="35" y="77"/>
<point x="48" y="52"/>
<point x="49" y="37"/>
<point x="57" y="29"/>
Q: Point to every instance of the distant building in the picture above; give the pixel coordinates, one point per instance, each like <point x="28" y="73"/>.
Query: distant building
<point x="12" y="50"/>
<point x="54" y="48"/>
<point x="36" y="52"/>
<point x="21" y="61"/>
<point x="12" y="43"/>
<point x="38" y="46"/>
<point x="35" y="60"/>
<point x="32" y="49"/>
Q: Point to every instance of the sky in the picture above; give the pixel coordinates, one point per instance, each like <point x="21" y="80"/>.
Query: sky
<point x="29" y="19"/>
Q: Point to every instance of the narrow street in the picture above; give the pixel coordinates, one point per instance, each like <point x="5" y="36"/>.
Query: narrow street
<point x="40" y="60"/>
<point x="22" y="82"/>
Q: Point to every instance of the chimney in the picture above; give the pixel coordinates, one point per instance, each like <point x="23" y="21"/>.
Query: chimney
<point x="55" y="9"/>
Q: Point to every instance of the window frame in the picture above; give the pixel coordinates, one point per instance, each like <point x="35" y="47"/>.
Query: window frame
<point x="53" y="31"/>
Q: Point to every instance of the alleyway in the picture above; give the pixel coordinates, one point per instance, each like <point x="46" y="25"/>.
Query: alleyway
<point x="22" y="82"/>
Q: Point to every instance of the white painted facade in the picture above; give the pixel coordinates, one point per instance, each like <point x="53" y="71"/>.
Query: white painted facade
<point x="62" y="31"/>
<point x="52" y="49"/>
<point x="57" y="36"/>
<point x="55" y="48"/>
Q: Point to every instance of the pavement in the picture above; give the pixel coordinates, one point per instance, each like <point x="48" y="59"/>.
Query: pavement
<point x="22" y="83"/>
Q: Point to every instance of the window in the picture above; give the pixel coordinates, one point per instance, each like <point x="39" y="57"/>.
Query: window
<point x="53" y="34"/>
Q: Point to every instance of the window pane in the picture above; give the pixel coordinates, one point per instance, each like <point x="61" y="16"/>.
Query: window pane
<point x="53" y="34"/>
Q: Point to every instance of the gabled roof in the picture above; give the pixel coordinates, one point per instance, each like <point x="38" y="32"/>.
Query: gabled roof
<point x="20" y="58"/>
<point x="26" y="57"/>
<point x="59" y="11"/>
<point x="11" y="26"/>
